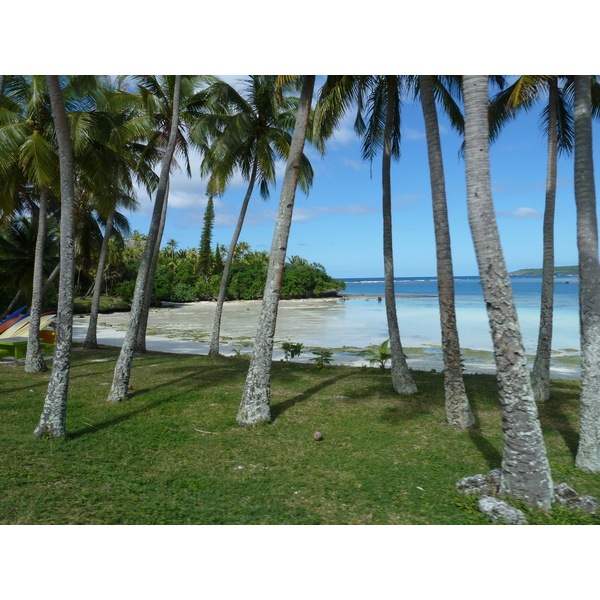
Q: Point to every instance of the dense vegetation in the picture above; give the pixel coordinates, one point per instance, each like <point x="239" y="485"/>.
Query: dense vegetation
<point x="183" y="276"/>
<point x="174" y="454"/>
<point x="574" y="270"/>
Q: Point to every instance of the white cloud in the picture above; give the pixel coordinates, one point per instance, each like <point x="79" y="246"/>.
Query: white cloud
<point x="522" y="213"/>
<point x="256" y="218"/>
<point x="412" y="134"/>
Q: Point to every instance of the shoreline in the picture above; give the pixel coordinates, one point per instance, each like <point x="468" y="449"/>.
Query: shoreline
<point x="185" y="328"/>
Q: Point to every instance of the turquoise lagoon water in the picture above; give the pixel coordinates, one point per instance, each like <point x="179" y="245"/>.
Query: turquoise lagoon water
<point x="418" y="311"/>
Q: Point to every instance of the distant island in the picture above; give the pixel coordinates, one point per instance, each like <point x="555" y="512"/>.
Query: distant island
<point x="557" y="271"/>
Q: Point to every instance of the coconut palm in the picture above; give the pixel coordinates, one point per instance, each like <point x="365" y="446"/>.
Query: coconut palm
<point x="245" y="131"/>
<point x="588" y="452"/>
<point x="123" y="368"/>
<point x="557" y="123"/>
<point x="120" y="142"/>
<point x="458" y="410"/>
<point x="525" y="469"/>
<point x="255" y="405"/>
<point x="378" y="100"/>
<point x="156" y="108"/>
<point x="53" y="418"/>
<point x="27" y="153"/>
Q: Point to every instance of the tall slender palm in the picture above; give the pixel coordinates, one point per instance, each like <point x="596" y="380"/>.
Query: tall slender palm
<point x="385" y="99"/>
<point x="525" y="468"/>
<point x="588" y="452"/>
<point x="378" y="99"/>
<point x="123" y="368"/>
<point x="458" y="410"/>
<point x="248" y="131"/>
<point x="156" y="105"/>
<point x="53" y="418"/>
<point x="557" y="122"/>
<point x="115" y="138"/>
<point x="255" y="405"/>
<point x="26" y="146"/>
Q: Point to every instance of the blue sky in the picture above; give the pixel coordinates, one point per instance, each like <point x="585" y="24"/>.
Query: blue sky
<point x="339" y="223"/>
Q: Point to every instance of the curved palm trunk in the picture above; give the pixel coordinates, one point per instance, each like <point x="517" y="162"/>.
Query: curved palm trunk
<point x="91" y="340"/>
<point x="458" y="411"/>
<point x="540" y="375"/>
<point x="34" y="359"/>
<point x="53" y="418"/>
<point x="11" y="305"/>
<point x="140" y="342"/>
<point x="122" y="373"/>
<point x="214" y="342"/>
<point x="255" y="406"/>
<point x="525" y="468"/>
<point x="50" y="279"/>
<point x="588" y="452"/>
<point x="401" y="378"/>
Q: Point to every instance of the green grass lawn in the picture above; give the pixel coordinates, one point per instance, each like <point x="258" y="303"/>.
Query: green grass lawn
<point x="173" y="453"/>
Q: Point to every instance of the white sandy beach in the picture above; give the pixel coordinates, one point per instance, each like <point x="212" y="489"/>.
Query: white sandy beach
<point x="326" y="323"/>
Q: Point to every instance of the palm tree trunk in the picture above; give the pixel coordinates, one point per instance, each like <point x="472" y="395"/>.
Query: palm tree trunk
<point x="525" y="468"/>
<point x="255" y="406"/>
<point x="11" y="305"/>
<point x="140" y="342"/>
<point x="214" y="342"/>
<point x="540" y="375"/>
<point x="401" y="378"/>
<point x="123" y="368"/>
<point x="53" y="418"/>
<point x="34" y="359"/>
<point x="50" y="279"/>
<point x="458" y="411"/>
<point x="91" y="340"/>
<point x="588" y="452"/>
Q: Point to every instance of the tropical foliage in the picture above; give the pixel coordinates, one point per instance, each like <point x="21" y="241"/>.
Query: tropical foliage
<point x="75" y="150"/>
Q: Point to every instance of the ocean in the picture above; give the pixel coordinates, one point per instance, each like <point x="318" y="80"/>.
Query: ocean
<point x="418" y="310"/>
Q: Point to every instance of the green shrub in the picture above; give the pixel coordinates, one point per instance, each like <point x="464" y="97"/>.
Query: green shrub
<point x="183" y="292"/>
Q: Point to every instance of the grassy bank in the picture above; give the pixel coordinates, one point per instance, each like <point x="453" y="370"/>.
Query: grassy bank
<point x="107" y="304"/>
<point x="173" y="453"/>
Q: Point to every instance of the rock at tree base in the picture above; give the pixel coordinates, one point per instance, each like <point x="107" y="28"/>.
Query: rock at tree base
<point x="499" y="511"/>
<point x="566" y="496"/>
<point x="480" y="484"/>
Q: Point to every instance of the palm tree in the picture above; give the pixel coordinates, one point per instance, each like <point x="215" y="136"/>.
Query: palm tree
<point x="525" y="468"/>
<point x="255" y="405"/>
<point x="458" y="411"/>
<point x="156" y="106"/>
<point x="379" y="96"/>
<point x="27" y="153"/>
<point x="116" y="139"/>
<point x="588" y="452"/>
<point x="247" y="132"/>
<point x="53" y="418"/>
<point x="557" y="122"/>
<point x="123" y="368"/>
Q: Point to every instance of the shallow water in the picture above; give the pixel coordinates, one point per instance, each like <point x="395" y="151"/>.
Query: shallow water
<point x="359" y="321"/>
<point x="418" y="316"/>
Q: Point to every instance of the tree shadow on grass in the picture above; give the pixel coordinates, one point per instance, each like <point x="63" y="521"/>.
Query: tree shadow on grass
<point x="279" y="408"/>
<point x="147" y="407"/>
<point x="120" y="419"/>
<point x="554" y="417"/>
<point x="490" y="453"/>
